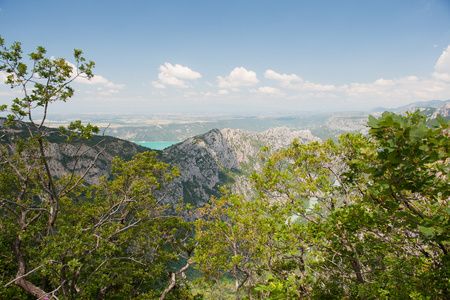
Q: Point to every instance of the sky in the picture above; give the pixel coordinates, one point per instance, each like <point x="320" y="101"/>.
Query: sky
<point x="240" y="57"/>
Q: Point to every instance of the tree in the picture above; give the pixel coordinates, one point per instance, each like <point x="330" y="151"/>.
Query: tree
<point x="61" y="238"/>
<point x="229" y="233"/>
<point x="363" y="218"/>
<point x="380" y="222"/>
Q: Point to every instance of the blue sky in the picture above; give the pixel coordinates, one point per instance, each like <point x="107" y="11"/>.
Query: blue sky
<point x="242" y="56"/>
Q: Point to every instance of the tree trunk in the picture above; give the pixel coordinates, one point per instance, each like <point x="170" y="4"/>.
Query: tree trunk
<point x="27" y="286"/>
<point x="173" y="280"/>
<point x="356" y="268"/>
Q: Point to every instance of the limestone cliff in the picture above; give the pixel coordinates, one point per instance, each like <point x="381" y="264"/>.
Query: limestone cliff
<point x="203" y="162"/>
<point x="444" y="111"/>
<point x="247" y="146"/>
<point x="225" y="157"/>
<point x="63" y="157"/>
<point x="206" y="161"/>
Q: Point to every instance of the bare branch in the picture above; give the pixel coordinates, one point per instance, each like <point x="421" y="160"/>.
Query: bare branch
<point x="22" y="276"/>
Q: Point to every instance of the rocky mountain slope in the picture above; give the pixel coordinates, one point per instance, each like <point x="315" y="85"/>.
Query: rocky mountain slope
<point x="64" y="156"/>
<point x="206" y="161"/>
<point x="444" y="111"/>
<point x="225" y="157"/>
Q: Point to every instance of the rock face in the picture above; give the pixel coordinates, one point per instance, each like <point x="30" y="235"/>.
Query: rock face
<point x="63" y="157"/>
<point x="203" y="161"/>
<point x="347" y="124"/>
<point x="225" y="157"/>
<point x="207" y="161"/>
<point x="444" y="111"/>
<point x="247" y="145"/>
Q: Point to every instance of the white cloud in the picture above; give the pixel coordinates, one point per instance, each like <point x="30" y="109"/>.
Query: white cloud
<point x="268" y="90"/>
<point x="381" y="92"/>
<point x="238" y="77"/>
<point x="6" y="91"/>
<point x="96" y="80"/>
<point x="179" y="71"/>
<point x="158" y="85"/>
<point x="294" y="81"/>
<point x="283" y="78"/>
<point x="208" y="94"/>
<point x="314" y="95"/>
<point x="310" y="86"/>
<point x="442" y="76"/>
<point x="383" y="82"/>
<point x="443" y="63"/>
<point x="409" y="88"/>
<point x="173" y="74"/>
<point x="223" y="92"/>
<point x="442" y="66"/>
<point x="100" y="80"/>
<point x="189" y="94"/>
<point x="108" y="92"/>
<point x="168" y="79"/>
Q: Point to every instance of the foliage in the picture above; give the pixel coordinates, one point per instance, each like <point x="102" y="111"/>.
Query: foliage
<point x="364" y="217"/>
<point x="63" y="239"/>
<point x="360" y="218"/>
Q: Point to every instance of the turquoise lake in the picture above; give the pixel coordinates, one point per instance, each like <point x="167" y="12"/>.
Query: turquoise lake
<point x="156" y="145"/>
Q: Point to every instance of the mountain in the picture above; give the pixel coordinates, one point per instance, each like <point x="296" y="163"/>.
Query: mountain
<point x="413" y="106"/>
<point x="432" y="104"/>
<point x="206" y="161"/>
<point x="63" y="155"/>
<point x="222" y="157"/>
<point x="444" y="111"/>
<point x="427" y="108"/>
<point x="180" y="129"/>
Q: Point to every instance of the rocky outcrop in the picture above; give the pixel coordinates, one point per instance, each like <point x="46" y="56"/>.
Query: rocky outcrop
<point x="65" y="157"/>
<point x="78" y="156"/>
<point x="444" y="111"/>
<point x="219" y="158"/>
<point x="204" y="162"/>
<point x="247" y="145"/>
<point x="347" y="124"/>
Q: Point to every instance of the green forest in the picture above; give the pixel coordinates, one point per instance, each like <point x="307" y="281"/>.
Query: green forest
<point x="364" y="217"/>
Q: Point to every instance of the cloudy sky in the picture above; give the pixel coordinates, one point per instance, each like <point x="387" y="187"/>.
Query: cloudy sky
<point x="241" y="56"/>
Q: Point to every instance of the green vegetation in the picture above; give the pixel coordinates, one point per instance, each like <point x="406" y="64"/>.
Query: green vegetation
<point x="62" y="239"/>
<point x="364" y="217"/>
<point x="379" y="229"/>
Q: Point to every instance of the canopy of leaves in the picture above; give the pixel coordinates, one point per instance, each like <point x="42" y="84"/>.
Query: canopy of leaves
<point x="63" y="239"/>
<point x="363" y="218"/>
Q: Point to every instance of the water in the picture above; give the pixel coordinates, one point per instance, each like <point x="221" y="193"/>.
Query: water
<point x="156" y="145"/>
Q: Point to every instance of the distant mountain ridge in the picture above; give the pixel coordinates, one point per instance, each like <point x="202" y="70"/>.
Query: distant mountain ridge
<point x="323" y="125"/>
<point x="418" y="104"/>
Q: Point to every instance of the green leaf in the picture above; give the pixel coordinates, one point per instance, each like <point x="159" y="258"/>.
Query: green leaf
<point x="373" y="122"/>
<point x="429" y="232"/>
